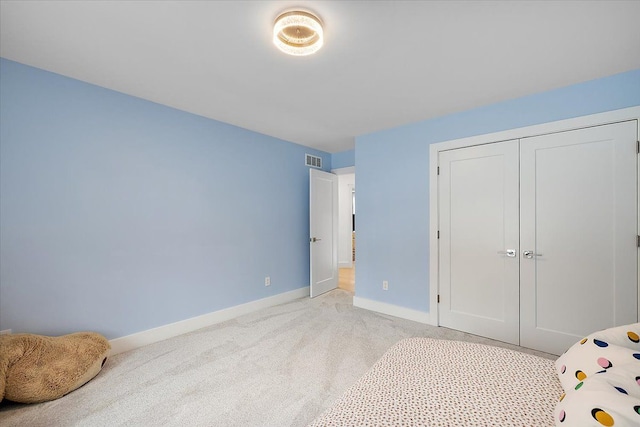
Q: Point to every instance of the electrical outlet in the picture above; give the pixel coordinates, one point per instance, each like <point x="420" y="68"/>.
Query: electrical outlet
<point x="5" y="332"/>
<point x="385" y="285"/>
<point x="267" y="281"/>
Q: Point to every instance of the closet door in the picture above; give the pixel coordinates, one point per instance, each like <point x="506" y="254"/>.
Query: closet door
<point x="478" y="224"/>
<point x="578" y="234"/>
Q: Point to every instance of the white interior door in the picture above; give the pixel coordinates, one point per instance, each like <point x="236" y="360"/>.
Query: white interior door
<point x="478" y="201"/>
<point x="323" y="225"/>
<point x="579" y="225"/>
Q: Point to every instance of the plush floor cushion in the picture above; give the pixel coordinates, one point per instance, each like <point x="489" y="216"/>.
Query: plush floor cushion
<point x="36" y="368"/>
<point x="428" y="382"/>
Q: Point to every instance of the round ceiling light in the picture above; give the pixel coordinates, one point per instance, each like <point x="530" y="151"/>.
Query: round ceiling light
<point x="298" y="33"/>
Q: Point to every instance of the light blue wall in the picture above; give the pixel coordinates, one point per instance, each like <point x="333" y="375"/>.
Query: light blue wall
<point x="343" y="159"/>
<point x="119" y="215"/>
<point x="393" y="180"/>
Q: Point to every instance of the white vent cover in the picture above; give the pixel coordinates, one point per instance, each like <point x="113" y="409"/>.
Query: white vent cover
<point x="313" y="161"/>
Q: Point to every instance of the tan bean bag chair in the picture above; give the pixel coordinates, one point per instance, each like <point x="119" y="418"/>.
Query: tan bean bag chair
<point x="35" y="368"/>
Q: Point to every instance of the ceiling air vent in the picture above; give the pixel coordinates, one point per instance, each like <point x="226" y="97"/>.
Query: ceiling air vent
<point x="313" y="161"/>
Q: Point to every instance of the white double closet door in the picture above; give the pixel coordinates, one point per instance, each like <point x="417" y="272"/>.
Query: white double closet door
<point x="538" y="236"/>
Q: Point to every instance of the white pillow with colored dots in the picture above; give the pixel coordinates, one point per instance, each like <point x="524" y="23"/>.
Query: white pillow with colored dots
<point x="601" y="378"/>
<point x="609" y="398"/>
<point x="598" y="351"/>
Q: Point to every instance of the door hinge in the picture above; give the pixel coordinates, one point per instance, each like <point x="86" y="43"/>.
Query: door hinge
<point x="438" y="298"/>
<point x="638" y="146"/>
<point x="439" y="234"/>
<point x="638" y="241"/>
<point x="439" y="169"/>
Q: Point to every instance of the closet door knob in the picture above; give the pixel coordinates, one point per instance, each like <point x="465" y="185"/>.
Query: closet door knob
<point x="509" y="252"/>
<point x="529" y="254"/>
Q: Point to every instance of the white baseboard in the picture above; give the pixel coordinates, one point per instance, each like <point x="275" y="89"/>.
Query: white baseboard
<point x="150" y="336"/>
<point x="393" y="310"/>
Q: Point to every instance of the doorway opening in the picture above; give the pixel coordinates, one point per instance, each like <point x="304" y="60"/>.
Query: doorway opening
<point x="346" y="229"/>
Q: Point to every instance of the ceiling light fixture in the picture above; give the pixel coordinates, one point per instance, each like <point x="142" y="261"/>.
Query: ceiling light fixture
<point x="298" y="33"/>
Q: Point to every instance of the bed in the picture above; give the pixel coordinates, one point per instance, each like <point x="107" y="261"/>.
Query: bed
<point x="430" y="382"/>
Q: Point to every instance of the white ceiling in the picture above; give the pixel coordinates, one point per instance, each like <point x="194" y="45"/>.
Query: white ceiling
<point x="384" y="63"/>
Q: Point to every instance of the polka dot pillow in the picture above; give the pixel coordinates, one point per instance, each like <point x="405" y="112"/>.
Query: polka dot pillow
<point x="598" y="351"/>
<point x="601" y="378"/>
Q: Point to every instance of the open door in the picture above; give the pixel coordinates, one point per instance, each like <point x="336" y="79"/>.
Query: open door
<point x="323" y="228"/>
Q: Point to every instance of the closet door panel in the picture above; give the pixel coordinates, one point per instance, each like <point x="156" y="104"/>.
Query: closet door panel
<point x="579" y="223"/>
<point x="478" y="200"/>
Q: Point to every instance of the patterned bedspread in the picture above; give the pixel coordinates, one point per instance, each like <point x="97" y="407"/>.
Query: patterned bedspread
<point x="429" y="382"/>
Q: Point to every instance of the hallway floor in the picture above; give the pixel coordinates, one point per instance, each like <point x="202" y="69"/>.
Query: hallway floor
<point x="347" y="279"/>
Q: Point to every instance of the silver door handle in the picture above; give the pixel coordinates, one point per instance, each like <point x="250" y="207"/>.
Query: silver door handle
<point x="529" y="254"/>
<point x="509" y="252"/>
<point x="314" y="239"/>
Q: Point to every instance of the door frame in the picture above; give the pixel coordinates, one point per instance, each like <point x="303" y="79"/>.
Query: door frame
<point x="631" y="113"/>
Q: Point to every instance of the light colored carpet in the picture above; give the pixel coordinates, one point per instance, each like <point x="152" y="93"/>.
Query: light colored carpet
<point x="281" y="366"/>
